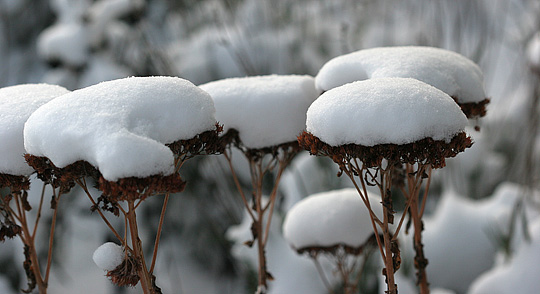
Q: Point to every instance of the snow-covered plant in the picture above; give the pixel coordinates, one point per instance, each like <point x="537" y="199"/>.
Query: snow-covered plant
<point x="130" y="136"/>
<point x="446" y="70"/>
<point x="262" y="116"/>
<point x="17" y="103"/>
<point x="371" y="129"/>
<point x="335" y="225"/>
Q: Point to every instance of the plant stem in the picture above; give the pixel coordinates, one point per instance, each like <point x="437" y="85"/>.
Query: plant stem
<point x="420" y="262"/>
<point x="158" y="235"/>
<point x="144" y="275"/>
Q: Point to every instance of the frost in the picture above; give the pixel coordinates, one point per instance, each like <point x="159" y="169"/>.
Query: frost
<point x="384" y="111"/>
<point x="448" y="71"/>
<point x="17" y="103"/>
<point x="330" y="218"/>
<point x="120" y="126"/>
<point x="108" y="256"/>
<point x="265" y="110"/>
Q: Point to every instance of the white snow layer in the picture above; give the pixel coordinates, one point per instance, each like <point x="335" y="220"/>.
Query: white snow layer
<point x="64" y="42"/>
<point x="108" y="256"/>
<point x="120" y="126"/>
<point x="448" y="71"/>
<point x="265" y="110"/>
<point x="330" y="218"/>
<point x="533" y="51"/>
<point x="17" y="103"/>
<point x="519" y="275"/>
<point x="384" y="111"/>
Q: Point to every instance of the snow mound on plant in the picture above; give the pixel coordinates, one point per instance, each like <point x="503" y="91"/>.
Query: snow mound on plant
<point x="265" y="110"/>
<point x="519" y="275"/>
<point x="384" y="111"/>
<point x="120" y="126"/>
<point x="17" y="103"/>
<point x="64" y="42"/>
<point x="448" y="71"/>
<point x="108" y="256"/>
<point x="330" y="218"/>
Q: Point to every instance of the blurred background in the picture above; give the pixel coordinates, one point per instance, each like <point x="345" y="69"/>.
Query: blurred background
<point x="77" y="43"/>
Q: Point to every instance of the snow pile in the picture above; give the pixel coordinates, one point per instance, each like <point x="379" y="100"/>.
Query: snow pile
<point x="265" y="110"/>
<point x="462" y="230"/>
<point x="533" y="51"/>
<point x="108" y="256"/>
<point x="66" y="43"/>
<point x="519" y="275"/>
<point x="120" y="126"/>
<point x="448" y="71"/>
<point x="17" y="103"/>
<point x="384" y="111"/>
<point x="330" y="218"/>
<point x="292" y="273"/>
<point x="103" y="13"/>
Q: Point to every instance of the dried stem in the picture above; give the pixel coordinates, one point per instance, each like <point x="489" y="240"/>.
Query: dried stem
<point x="51" y="235"/>
<point x="158" y="235"/>
<point x="82" y="184"/>
<point x="321" y="273"/>
<point x="420" y="262"/>
<point x="138" y="254"/>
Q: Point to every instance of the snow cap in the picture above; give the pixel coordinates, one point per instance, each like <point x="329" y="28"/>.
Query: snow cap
<point x="265" y="110"/>
<point x="120" y="126"/>
<point x="108" y="256"/>
<point x="448" y="71"/>
<point x="384" y="111"/>
<point x="330" y="218"/>
<point x="17" y="103"/>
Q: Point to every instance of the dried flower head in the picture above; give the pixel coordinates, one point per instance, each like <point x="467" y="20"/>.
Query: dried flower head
<point x="15" y="183"/>
<point x="427" y="151"/>
<point x="204" y="143"/>
<point x="473" y="109"/>
<point x="127" y="273"/>
<point x="287" y="150"/>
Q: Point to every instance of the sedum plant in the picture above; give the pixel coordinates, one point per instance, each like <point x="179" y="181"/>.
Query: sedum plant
<point x="336" y="226"/>
<point x="129" y="138"/>
<point x="371" y="129"/>
<point x="16" y="104"/>
<point x="448" y="71"/>
<point x="261" y="117"/>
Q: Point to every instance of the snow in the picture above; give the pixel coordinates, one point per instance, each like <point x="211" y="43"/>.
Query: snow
<point x="64" y="42"/>
<point x="120" y="126"/>
<point x="462" y="230"/>
<point x="448" y="71"/>
<point x="533" y="51"/>
<point x="265" y="110"/>
<point x="384" y="111"/>
<point x="17" y="103"/>
<point x="107" y="10"/>
<point x="292" y="273"/>
<point x="108" y="256"/>
<point x="519" y="275"/>
<point x="102" y="13"/>
<point x="330" y="218"/>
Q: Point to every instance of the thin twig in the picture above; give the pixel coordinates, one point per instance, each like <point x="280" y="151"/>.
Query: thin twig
<point x="51" y="235"/>
<point x="85" y="189"/>
<point x="321" y="274"/>
<point x="158" y="235"/>
<point x="238" y="186"/>
<point x="38" y="212"/>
